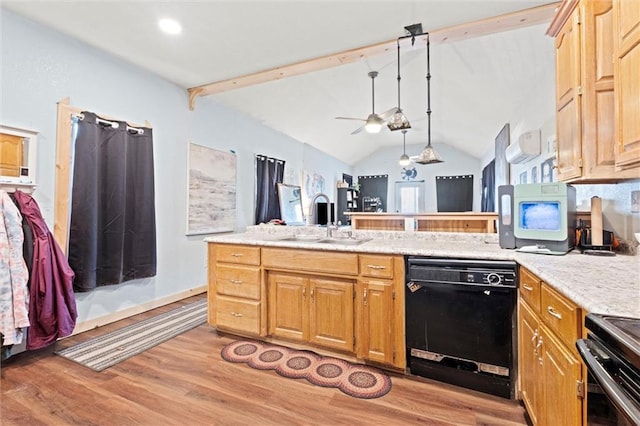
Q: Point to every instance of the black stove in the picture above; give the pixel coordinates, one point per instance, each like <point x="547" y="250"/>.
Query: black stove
<point x="611" y="353"/>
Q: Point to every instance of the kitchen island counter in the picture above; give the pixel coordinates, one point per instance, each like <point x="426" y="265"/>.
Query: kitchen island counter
<point x="599" y="284"/>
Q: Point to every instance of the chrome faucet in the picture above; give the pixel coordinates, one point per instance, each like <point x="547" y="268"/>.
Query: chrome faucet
<point x="330" y="226"/>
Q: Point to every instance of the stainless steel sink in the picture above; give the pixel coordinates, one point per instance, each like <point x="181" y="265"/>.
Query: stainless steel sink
<point x="302" y="238"/>
<point x="345" y="241"/>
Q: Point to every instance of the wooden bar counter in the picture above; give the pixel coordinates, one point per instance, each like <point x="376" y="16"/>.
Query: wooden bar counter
<point x="434" y="222"/>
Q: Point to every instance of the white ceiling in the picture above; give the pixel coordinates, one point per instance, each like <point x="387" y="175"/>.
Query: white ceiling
<point x="476" y="83"/>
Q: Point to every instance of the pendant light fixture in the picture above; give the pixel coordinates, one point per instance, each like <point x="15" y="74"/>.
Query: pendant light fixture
<point x="404" y="158"/>
<point x="428" y="155"/>
<point x="398" y="120"/>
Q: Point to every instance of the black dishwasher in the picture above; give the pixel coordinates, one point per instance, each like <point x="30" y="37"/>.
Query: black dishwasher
<point x="461" y="322"/>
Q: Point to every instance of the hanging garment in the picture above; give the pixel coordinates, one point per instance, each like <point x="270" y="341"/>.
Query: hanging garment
<point x="112" y="232"/>
<point x="14" y="294"/>
<point x="52" y="305"/>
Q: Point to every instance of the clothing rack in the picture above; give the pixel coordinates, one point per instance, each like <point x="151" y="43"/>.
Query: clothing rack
<point x="13" y="186"/>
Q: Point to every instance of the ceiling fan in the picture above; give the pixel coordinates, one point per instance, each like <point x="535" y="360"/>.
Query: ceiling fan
<point x="374" y="122"/>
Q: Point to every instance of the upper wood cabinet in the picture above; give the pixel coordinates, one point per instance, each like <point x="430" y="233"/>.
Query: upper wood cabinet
<point x="10" y="155"/>
<point x="626" y="24"/>
<point x="585" y="96"/>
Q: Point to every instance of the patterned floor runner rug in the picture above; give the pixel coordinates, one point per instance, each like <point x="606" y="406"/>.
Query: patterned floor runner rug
<point x="105" y="351"/>
<point x="353" y="379"/>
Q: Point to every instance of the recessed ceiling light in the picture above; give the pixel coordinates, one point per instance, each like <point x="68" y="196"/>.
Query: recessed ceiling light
<point x="170" y="26"/>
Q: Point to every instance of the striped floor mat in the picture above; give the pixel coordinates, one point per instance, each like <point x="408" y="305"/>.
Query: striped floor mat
<point x="105" y="351"/>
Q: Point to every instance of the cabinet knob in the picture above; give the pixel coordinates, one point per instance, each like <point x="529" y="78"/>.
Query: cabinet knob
<point x="526" y="287"/>
<point x="236" y="314"/>
<point x="236" y="254"/>
<point x="236" y="281"/>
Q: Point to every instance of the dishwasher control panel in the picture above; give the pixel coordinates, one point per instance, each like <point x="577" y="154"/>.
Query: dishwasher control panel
<point x="461" y="272"/>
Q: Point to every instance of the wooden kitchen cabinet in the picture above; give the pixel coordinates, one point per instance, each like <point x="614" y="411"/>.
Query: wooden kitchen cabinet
<point x="550" y="370"/>
<point x="311" y="309"/>
<point x="585" y="96"/>
<point x="380" y="310"/>
<point x="349" y="302"/>
<point x="626" y="25"/>
<point x="10" y="154"/>
<point x="236" y="293"/>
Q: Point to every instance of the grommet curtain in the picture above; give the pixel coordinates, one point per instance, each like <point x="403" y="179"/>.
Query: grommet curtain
<point x="112" y="233"/>
<point x="269" y="172"/>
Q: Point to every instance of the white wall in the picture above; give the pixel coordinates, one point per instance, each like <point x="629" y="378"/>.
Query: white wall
<point x="456" y="162"/>
<point x="41" y="67"/>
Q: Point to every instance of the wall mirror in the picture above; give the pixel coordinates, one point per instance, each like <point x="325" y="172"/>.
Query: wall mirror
<point x="290" y="197"/>
<point x="17" y="155"/>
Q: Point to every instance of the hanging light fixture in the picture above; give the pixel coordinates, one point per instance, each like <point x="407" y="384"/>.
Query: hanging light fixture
<point x="428" y="155"/>
<point x="398" y="120"/>
<point x="404" y="158"/>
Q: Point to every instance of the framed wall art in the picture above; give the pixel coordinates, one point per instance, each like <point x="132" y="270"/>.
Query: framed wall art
<point x="211" y="192"/>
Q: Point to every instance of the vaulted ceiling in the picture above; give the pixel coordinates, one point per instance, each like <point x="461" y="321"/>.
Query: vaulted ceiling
<point x="476" y="81"/>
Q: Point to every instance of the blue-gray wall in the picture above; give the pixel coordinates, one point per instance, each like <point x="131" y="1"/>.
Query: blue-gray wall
<point x="40" y="67"/>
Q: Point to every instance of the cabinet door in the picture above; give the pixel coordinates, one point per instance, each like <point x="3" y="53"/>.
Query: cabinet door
<point x="569" y="110"/>
<point x="627" y="81"/>
<point x="375" y="320"/>
<point x="331" y="313"/>
<point x="598" y="115"/>
<point x="10" y="155"/>
<point x="529" y="360"/>
<point x="561" y="374"/>
<point x="288" y="306"/>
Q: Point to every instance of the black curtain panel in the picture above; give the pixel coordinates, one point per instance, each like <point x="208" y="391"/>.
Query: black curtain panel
<point x="112" y="234"/>
<point x="269" y="172"/>
<point x="488" y="187"/>
<point x="373" y="193"/>
<point x="454" y="193"/>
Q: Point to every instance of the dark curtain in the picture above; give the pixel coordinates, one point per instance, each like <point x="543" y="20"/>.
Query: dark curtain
<point x="373" y="193"/>
<point x="269" y="172"/>
<point x="454" y="193"/>
<point x="112" y="235"/>
<point x="488" y="187"/>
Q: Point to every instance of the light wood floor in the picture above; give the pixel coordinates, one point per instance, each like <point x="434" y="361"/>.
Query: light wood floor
<point x="185" y="382"/>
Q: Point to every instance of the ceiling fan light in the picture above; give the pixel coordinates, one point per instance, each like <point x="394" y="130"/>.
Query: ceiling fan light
<point x="398" y="121"/>
<point x="374" y="124"/>
<point x="429" y="156"/>
<point x="404" y="160"/>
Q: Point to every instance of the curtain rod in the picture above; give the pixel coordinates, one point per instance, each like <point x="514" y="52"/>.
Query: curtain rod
<point x="113" y="124"/>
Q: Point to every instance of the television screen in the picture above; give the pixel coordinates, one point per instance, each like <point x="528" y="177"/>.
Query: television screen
<point x="540" y="215"/>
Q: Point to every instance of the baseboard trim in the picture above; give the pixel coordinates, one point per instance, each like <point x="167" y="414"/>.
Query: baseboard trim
<point x="138" y="309"/>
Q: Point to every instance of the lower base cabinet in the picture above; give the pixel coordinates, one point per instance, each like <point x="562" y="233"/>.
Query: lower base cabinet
<point x="352" y="303"/>
<point x="312" y="309"/>
<point x="550" y="370"/>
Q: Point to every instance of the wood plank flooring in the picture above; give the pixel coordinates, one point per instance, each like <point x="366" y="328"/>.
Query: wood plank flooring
<point x="184" y="381"/>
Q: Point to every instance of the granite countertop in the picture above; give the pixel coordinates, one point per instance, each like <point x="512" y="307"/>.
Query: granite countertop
<point x="599" y="284"/>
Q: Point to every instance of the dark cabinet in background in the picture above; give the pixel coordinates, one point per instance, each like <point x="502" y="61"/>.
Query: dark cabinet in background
<point x="347" y="202"/>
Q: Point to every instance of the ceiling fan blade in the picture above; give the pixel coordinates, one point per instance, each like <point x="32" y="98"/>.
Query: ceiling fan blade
<point x="387" y="114"/>
<point x="358" y="130"/>
<point x="350" y="118"/>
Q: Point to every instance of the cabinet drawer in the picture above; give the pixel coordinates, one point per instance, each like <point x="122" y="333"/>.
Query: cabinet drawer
<point x="560" y="315"/>
<point x="313" y="261"/>
<point x="241" y="281"/>
<point x="240" y="315"/>
<point x="376" y="266"/>
<point x="530" y="289"/>
<point x="246" y="255"/>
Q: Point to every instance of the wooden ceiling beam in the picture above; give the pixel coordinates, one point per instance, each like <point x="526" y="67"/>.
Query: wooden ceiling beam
<point x="506" y="22"/>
